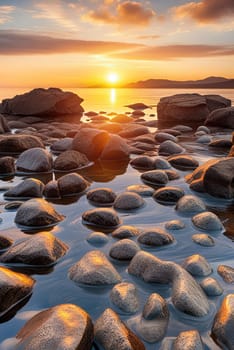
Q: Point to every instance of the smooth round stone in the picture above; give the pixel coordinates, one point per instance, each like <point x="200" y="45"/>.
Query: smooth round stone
<point x="163" y="136"/>
<point x="203" y="128"/>
<point x="97" y="238"/>
<point x="175" y="225"/>
<point x="128" y="201"/>
<point x="13" y="205"/>
<point x="200" y="133"/>
<point x="169" y="147"/>
<point x="5" y="242"/>
<point x="172" y="174"/>
<point x="227" y="273"/>
<point x="35" y="160"/>
<point x="183" y="162"/>
<point x="51" y="189"/>
<point x="203" y="239"/>
<point x="124" y="295"/>
<point x="188" y="340"/>
<point x="102" y="196"/>
<point x="211" y="287"/>
<point x="190" y="205"/>
<point x="172" y="132"/>
<point x="155" y="305"/>
<point x="103" y="217"/>
<point x="72" y="184"/>
<point x="125" y="249"/>
<point x="204" y="139"/>
<point x="168" y="195"/>
<point x="142" y="190"/>
<point x="182" y="128"/>
<point x="197" y="265"/>
<point x="155" y="237"/>
<point x="125" y="231"/>
<point x="155" y="177"/>
<point x="207" y="221"/>
<point x="143" y="162"/>
<point x="161" y="163"/>
<point x="28" y="188"/>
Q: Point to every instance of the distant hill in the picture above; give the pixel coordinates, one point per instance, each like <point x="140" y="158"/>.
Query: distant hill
<point x="207" y="83"/>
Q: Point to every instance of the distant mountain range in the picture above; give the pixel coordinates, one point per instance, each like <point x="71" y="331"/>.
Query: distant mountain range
<point x="207" y="83"/>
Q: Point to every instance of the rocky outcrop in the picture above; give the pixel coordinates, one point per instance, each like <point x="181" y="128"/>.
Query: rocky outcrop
<point x="112" y="333"/>
<point x="15" y="144"/>
<point x="223" y="117"/>
<point x="215" y="177"/>
<point x="14" y="287"/>
<point x="189" y="108"/>
<point x="64" y="326"/>
<point x="43" y="102"/>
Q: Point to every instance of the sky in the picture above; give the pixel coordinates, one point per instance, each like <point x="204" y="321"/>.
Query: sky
<point x="79" y="43"/>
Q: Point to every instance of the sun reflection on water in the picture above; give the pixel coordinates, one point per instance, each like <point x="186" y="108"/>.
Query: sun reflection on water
<point x="113" y="96"/>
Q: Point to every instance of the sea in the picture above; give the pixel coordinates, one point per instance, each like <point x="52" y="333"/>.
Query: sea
<point x="53" y="285"/>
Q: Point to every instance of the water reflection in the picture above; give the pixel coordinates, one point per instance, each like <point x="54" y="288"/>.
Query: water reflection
<point x="113" y="96"/>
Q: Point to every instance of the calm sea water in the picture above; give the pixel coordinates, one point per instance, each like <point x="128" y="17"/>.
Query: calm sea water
<point x="114" y="100"/>
<point x="54" y="287"/>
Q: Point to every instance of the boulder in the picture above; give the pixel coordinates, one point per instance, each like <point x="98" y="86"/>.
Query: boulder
<point x="222" y="329"/>
<point x="37" y="212"/>
<point x="7" y="166"/>
<point x="116" y="148"/>
<point x="40" y="249"/>
<point x="14" y="287"/>
<point x="214" y="177"/>
<point x="188" y="108"/>
<point x="15" y="144"/>
<point x="64" y="326"/>
<point x="70" y="160"/>
<point x="43" y="102"/>
<point x="94" y="269"/>
<point x="28" y="188"/>
<point x="71" y="184"/>
<point x="35" y="160"/>
<point x="124" y="296"/>
<point x="223" y="117"/>
<point x="111" y="333"/>
<point x="3" y="125"/>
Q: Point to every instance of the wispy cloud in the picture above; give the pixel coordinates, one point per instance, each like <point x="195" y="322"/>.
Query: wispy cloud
<point x="127" y="13"/>
<point x="5" y="13"/>
<point x="205" y="11"/>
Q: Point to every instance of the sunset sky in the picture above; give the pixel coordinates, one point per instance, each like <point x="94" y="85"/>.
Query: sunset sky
<point x="73" y="43"/>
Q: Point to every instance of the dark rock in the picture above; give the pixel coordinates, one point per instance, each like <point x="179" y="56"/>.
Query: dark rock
<point x="62" y="145"/>
<point x="14" y="287"/>
<point x="207" y="221"/>
<point x="28" y="188"/>
<point x="222" y="329"/>
<point x="133" y="130"/>
<point x="125" y="231"/>
<point x="122" y="338"/>
<point x="116" y="148"/>
<point x="139" y="106"/>
<point x="37" y="212"/>
<point x="4" y="127"/>
<point x="161" y="163"/>
<point x="128" y="201"/>
<point x="35" y="160"/>
<point x="103" y="217"/>
<point x="168" y="194"/>
<point x="71" y="184"/>
<point x="43" y="102"/>
<point x="188" y="340"/>
<point x="7" y="165"/>
<point x="211" y="287"/>
<point x="40" y="249"/>
<point x="155" y="177"/>
<point x="51" y="189"/>
<point x="94" y="269"/>
<point x="183" y="162"/>
<point x="227" y="273"/>
<point x="155" y="237"/>
<point x="203" y="239"/>
<point x="64" y="326"/>
<point x="15" y="144"/>
<point x="124" y="295"/>
<point x="5" y="242"/>
<point x="197" y="265"/>
<point x="223" y="117"/>
<point x="169" y="147"/>
<point x="125" y="249"/>
<point x="221" y="143"/>
<point x="143" y="162"/>
<point x="70" y="160"/>
<point x="13" y="205"/>
<point x="163" y="136"/>
<point x="102" y="196"/>
<point x="217" y="101"/>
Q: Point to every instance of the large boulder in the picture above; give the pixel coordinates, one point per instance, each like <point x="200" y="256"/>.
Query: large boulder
<point x="18" y="143"/>
<point x="214" y="177"/>
<point x="223" y="117"/>
<point x="35" y="160"/>
<point x="43" y="102"/>
<point x="3" y="125"/>
<point x="189" y="108"/>
<point x="64" y="326"/>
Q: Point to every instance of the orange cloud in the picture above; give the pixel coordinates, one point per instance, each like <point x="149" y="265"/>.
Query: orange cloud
<point x="205" y="11"/>
<point x="129" y="13"/>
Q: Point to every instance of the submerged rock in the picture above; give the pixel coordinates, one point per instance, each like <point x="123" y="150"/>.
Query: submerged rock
<point x="94" y="269"/>
<point x="111" y="333"/>
<point x="97" y="238"/>
<point x="14" y="287"/>
<point x="65" y="326"/>
<point x="175" y="225"/>
<point x="35" y="160"/>
<point x="37" y="212"/>
<point x="124" y="295"/>
<point x="40" y="249"/>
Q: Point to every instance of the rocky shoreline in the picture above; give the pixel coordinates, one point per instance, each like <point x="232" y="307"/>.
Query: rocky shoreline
<point x="46" y="162"/>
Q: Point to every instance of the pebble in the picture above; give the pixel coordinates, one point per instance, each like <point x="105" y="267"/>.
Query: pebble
<point x="175" y="225"/>
<point x="207" y="221"/>
<point x="211" y="287"/>
<point x="125" y="231"/>
<point x="128" y="201"/>
<point x="203" y="239"/>
<point x="168" y="195"/>
<point x="97" y="238"/>
<point x="190" y="205"/>
<point x="125" y="249"/>
<point x="125" y="296"/>
<point x="155" y="237"/>
<point x="197" y="265"/>
<point x="103" y="217"/>
<point x="227" y="273"/>
<point x="142" y="190"/>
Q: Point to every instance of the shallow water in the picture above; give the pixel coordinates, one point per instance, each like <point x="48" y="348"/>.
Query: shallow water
<point x="54" y="287"/>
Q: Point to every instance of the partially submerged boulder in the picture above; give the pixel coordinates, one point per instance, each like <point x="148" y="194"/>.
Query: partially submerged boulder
<point x="70" y="160"/>
<point x="28" y="188"/>
<point x="35" y="160"/>
<point x="43" y="102"/>
<point x="215" y="177"/>
<point x="18" y="143"/>
<point x="64" y="326"/>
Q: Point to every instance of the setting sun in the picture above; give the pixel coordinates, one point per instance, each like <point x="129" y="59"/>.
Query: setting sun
<point x="112" y="77"/>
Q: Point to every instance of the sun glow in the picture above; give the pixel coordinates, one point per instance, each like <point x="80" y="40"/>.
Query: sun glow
<point x="112" y="78"/>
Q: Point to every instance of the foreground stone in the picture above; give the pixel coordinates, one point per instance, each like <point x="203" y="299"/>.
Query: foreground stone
<point x="14" y="287"/>
<point x="223" y="117"/>
<point x="40" y="249"/>
<point x="115" y="149"/>
<point x="94" y="269"/>
<point x="35" y="160"/>
<point x="101" y="196"/>
<point x="222" y="329"/>
<point x="64" y="326"/>
<point x="111" y="333"/>
<point x="28" y="188"/>
<point x="43" y="102"/>
<point x="188" y="340"/>
<point x="214" y="177"/>
<point x="125" y="249"/>
<point x="207" y="221"/>
<point x="71" y="184"/>
<point x="37" y="212"/>
<point x="15" y="144"/>
<point x="187" y="295"/>
<point x="124" y="295"/>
